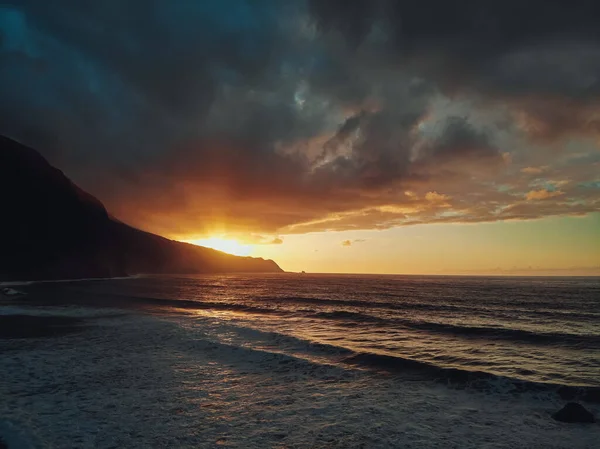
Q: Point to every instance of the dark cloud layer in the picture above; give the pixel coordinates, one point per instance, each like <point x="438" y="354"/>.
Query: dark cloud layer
<point x="273" y="117"/>
<point x="505" y="45"/>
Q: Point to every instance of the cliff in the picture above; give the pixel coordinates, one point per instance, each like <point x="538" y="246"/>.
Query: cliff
<point x="52" y="229"/>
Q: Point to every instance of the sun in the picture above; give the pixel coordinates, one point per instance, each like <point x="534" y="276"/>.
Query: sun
<point x="226" y="245"/>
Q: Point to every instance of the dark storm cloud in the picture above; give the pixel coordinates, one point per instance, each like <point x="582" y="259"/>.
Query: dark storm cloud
<point x="471" y="35"/>
<point x="459" y="139"/>
<point x="507" y="49"/>
<point x="137" y="68"/>
<point x="263" y="115"/>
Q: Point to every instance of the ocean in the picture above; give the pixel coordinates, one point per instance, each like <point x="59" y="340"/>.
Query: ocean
<point x="305" y="361"/>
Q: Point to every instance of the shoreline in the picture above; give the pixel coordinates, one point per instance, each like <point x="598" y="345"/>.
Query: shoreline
<point x="179" y="380"/>
<point x="52" y="281"/>
<point x="151" y="381"/>
<point x="92" y="366"/>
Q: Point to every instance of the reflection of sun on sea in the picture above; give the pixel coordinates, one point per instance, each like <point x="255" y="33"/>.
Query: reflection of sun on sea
<point x="226" y="245"/>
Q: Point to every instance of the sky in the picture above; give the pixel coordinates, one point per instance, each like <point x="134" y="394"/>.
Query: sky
<point x="332" y="136"/>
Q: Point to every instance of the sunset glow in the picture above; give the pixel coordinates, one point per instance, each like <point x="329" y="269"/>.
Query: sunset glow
<point x="300" y="223"/>
<point x="226" y="245"/>
<point x="324" y="137"/>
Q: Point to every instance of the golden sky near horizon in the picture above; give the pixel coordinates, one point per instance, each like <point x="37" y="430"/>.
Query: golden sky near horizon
<point x="567" y="246"/>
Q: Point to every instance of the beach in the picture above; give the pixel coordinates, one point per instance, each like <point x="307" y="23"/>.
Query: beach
<point x="145" y="377"/>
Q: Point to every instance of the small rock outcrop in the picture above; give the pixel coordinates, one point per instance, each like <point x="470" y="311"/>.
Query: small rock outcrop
<point x="574" y="413"/>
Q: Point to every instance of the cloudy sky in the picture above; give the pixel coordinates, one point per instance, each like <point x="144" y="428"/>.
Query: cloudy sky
<point x="340" y="135"/>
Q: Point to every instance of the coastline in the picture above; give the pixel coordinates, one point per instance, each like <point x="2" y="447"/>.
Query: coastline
<point x="133" y="379"/>
<point x="48" y="281"/>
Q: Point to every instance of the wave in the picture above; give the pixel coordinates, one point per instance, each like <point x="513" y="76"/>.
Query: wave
<point x="506" y="333"/>
<point x="144" y="301"/>
<point x="479" y="380"/>
<point x="363" y="303"/>
<point x="285" y="343"/>
<point x="466" y="331"/>
<point x="493" y="333"/>
<point x="354" y="303"/>
<point x="410" y="306"/>
<point x="346" y="315"/>
<point x="467" y="377"/>
<point x="59" y="281"/>
<point x="59" y="312"/>
<point x="295" y="346"/>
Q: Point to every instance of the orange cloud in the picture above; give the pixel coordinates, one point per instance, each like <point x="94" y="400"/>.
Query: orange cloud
<point x="218" y="187"/>
<point x="436" y="197"/>
<point x="542" y="194"/>
<point x="534" y="170"/>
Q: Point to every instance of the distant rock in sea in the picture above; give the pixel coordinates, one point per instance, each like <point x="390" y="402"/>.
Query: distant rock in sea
<point x="52" y="229"/>
<point x="574" y="413"/>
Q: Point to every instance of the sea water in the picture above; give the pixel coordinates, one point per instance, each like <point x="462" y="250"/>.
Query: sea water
<point x="293" y="361"/>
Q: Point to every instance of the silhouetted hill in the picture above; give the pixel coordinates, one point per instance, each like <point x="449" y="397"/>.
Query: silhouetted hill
<point x="51" y="229"/>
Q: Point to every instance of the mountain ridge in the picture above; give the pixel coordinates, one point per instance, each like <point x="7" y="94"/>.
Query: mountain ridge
<point x="52" y="229"/>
